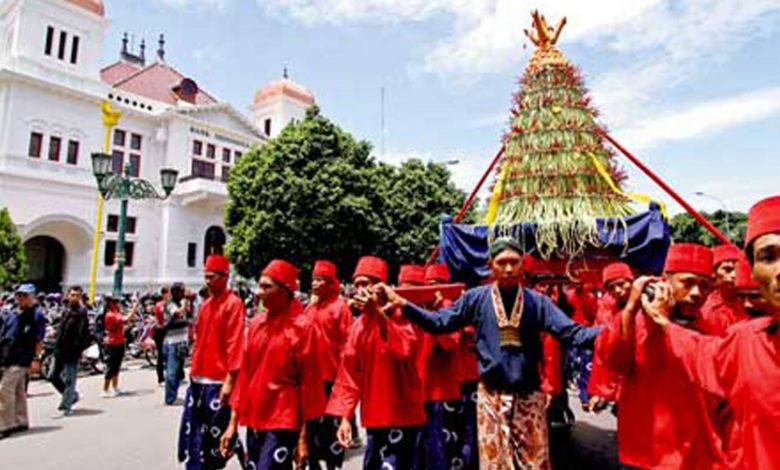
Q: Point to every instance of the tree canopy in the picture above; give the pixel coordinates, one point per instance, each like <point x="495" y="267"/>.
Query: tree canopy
<point x="315" y="192"/>
<point x="686" y="229"/>
<point x="13" y="264"/>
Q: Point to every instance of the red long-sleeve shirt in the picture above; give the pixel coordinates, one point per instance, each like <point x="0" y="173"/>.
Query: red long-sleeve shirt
<point x="333" y="320"/>
<point x="219" y="343"/>
<point x="379" y="369"/>
<point x="467" y="362"/>
<point x="438" y="364"/>
<point x="718" y="314"/>
<point x="664" y="420"/>
<point x="603" y="382"/>
<point x="743" y="368"/>
<point x="550" y="371"/>
<point x="279" y="385"/>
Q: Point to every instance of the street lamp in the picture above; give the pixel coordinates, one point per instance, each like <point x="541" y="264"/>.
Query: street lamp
<point x="723" y="205"/>
<point x="126" y="187"/>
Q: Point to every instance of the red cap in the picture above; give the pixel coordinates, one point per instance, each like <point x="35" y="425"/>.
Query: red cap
<point x="723" y="253"/>
<point x="615" y="271"/>
<point x="217" y="264"/>
<point x="437" y="272"/>
<point x="745" y="274"/>
<point x="372" y="267"/>
<point x="689" y="258"/>
<point x="283" y="272"/>
<point x="412" y="274"/>
<point x="323" y="268"/>
<point x="764" y="217"/>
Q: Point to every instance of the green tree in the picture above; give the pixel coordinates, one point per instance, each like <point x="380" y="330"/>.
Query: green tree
<point x="13" y="263"/>
<point x="315" y="192"/>
<point x="416" y="195"/>
<point x="686" y="229"/>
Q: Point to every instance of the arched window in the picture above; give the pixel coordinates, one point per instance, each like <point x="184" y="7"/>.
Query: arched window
<point x="213" y="242"/>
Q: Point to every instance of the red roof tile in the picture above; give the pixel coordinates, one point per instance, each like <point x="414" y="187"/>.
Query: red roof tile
<point x="95" y="6"/>
<point x="156" y="81"/>
<point x="284" y="87"/>
<point x="118" y="71"/>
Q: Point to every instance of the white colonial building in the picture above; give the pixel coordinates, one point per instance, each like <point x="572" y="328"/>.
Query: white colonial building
<point x="51" y="88"/>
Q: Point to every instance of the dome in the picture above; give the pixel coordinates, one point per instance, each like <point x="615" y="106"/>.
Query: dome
<point x="95" y="6"/>
<point x="284" y="87"/>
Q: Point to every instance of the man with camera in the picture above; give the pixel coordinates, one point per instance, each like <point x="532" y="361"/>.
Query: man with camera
<point x="744" y="366"/>
<point x="175" y="344"/>
<point x="664" y="419"/>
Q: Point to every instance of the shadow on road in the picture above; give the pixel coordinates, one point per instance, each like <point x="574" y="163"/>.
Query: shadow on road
<point x="583" y="447"/>
<point x="137" y="393"/>
<point x="86" y="412"/>
<point x="36" y="430"/>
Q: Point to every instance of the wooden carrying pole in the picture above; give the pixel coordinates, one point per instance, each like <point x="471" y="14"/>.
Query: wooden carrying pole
<point x="657" y="179"/>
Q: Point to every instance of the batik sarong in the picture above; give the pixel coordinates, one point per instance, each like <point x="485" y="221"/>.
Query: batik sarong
<point x="203" y="423"/>
<point x="323" y="444"/>
<point x="393" y="448"/>
<point x="443" y="436"/>
<point x="470" y="450"/>
<point x="512" y="431"/>
<point x="270" y="450"/>
<point x="586" y="366"/>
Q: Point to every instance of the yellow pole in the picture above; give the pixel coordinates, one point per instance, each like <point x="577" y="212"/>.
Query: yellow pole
<point x="110" y="119"/>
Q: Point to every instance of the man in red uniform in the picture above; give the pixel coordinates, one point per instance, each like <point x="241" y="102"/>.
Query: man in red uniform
<point x="465" y="364"/>
<point x="215" y="363"/>
<point x="722" y="308"/>
<point x="744" y="366"/>
<point x="664" y="419"/>
<point x="333" y="320"/>
<point x="279" y="387"/>
<point x="379" y="370"/>
<point x="748" y="293"/>
<point x="603" y="386"/>
<point x="441" y="384"/>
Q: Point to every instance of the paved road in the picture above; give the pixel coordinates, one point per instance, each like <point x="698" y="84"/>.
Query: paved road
<point x="138" y="432"/>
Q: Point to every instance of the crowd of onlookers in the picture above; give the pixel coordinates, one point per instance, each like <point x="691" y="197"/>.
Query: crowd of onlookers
<point x="55" y="336"/>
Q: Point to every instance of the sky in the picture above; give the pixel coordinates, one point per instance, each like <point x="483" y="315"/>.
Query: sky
<point x="691" y="87"/>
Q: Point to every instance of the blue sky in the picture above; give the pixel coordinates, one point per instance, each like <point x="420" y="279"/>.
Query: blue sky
<point x="691" y="86"/>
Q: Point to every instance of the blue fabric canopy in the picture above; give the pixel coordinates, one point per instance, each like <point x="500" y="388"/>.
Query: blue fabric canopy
<point x="640" y="240"/>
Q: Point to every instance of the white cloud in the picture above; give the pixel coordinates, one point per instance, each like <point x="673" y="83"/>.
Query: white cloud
<point x="675" y="42"/>
<point x="703" y="118"/>
<point x="668" y="41"/>
<point x="341" y="12"/>
<point x="200" y="4"/>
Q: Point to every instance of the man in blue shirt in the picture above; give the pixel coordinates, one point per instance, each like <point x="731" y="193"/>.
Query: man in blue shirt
<point x="20" y="343"/>
<point x="508" y="320"/>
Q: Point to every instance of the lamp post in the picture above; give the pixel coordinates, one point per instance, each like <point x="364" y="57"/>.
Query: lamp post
<point x="723" y="205"/>
<point x="125" y="187"/>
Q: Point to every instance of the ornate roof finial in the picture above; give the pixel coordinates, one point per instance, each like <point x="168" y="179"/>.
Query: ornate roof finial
<point x="284" y="73"/>
<point x="143" y="51"/>
<point x="544" y="36"/>
<point x="161" y="48"/>
<point x="124" y="43"/>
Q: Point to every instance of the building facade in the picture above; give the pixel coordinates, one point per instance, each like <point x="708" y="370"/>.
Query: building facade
<point x="51" y="88"/>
